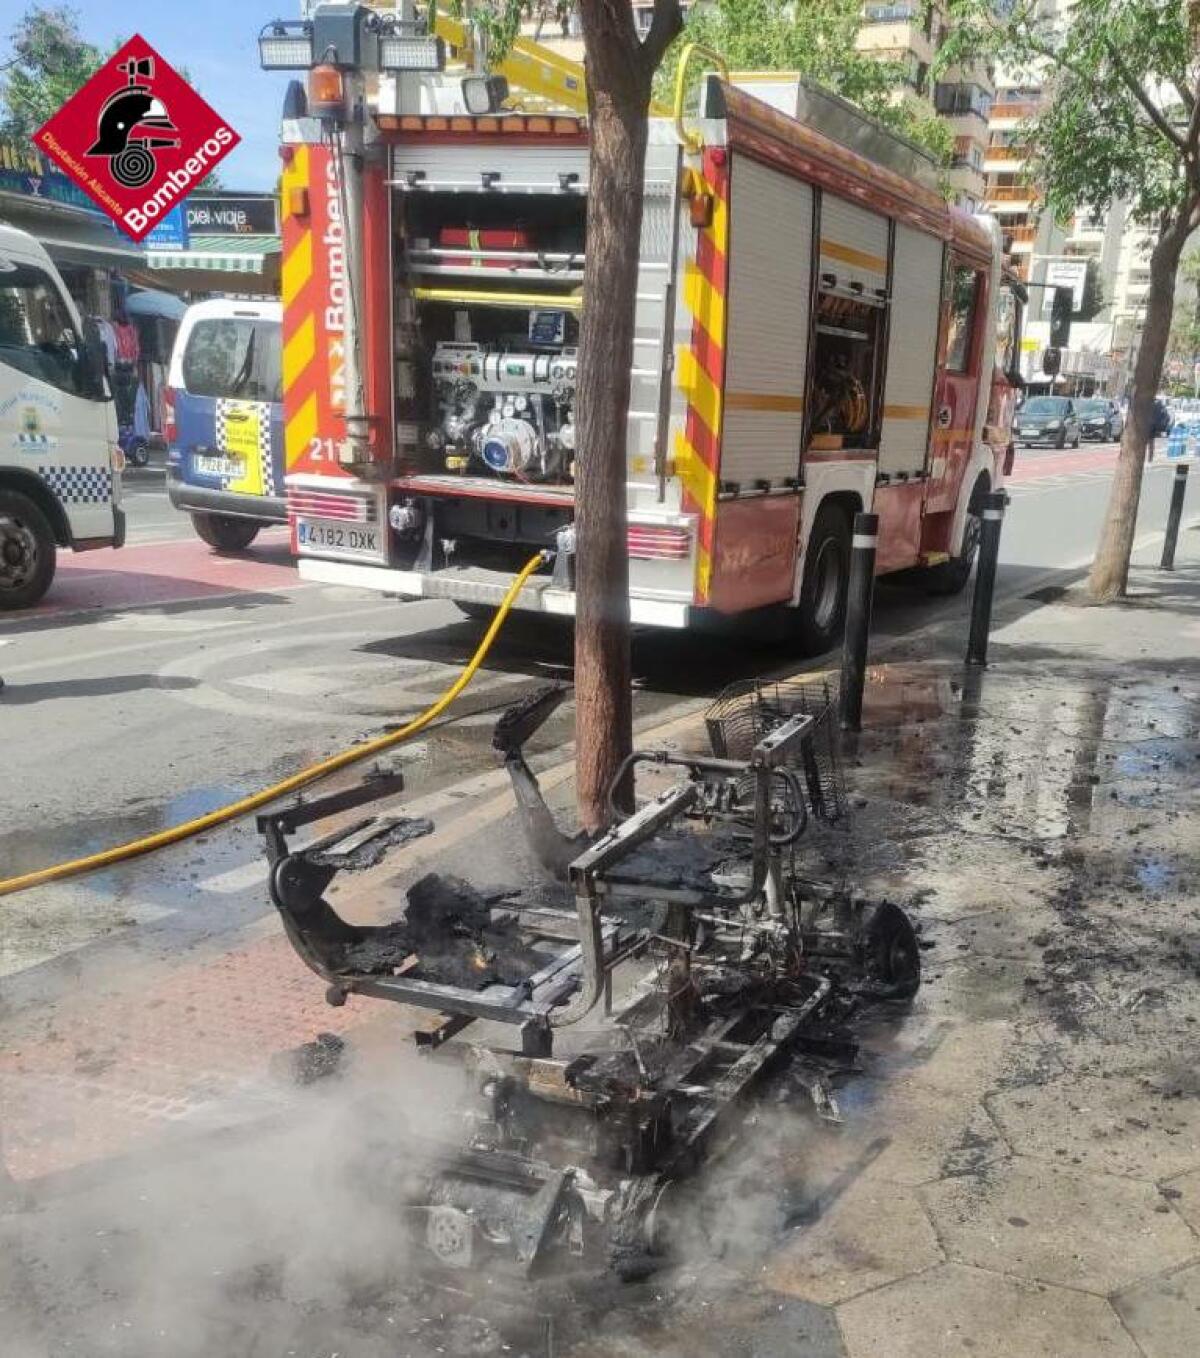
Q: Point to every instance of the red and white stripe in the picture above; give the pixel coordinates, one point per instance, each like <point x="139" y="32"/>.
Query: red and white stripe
<point x="312" y="504"/>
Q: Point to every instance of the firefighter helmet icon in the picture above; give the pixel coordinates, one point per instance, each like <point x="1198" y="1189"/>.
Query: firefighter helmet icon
<point x="131" y="124"/>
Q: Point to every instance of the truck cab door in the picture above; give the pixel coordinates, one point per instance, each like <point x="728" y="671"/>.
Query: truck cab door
<point x="957" y="388"/>
<point x="53" y="422"/>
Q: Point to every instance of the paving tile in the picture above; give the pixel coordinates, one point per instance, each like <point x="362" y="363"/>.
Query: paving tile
<point x="873" y="1233"/>
<point x="936" y="1052"/>
<point x="1116" y="1125"/>
<point x="955" y="1312"/>
<point x="194" y="1046"/>
<point x="1184" y="1193"/>
<point x="1163" y="1314"/>
<point x="754" y="1323"/>
<point x="1055" y="1225"/>
<point x="930" y="1132"/>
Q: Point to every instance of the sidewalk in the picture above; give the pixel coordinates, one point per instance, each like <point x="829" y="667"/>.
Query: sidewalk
<point x="1018" y="1173"/>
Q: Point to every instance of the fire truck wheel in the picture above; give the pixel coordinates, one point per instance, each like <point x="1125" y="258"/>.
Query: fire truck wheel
<point x="951" y="576"/>
<point x="27" y="551"/>
<point x="821" y="613"/>
<point x="224" y="532"/>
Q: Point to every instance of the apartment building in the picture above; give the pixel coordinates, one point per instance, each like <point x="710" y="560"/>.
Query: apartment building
<point x="910" y="33"/>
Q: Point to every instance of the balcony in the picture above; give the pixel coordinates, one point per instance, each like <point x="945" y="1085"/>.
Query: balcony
<point x="1015" y="193"/>
<point x="891" y="14"/>
<point x="1007" y="152"/>
<point x="1021" y="235"/>
<point x="1015" y="108"/>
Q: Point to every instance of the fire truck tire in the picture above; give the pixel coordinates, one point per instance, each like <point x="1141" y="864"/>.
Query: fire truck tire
<point x="224" y="532"/>
<point x="951" y="576"/>
<point x="28" y="554"/>
<point x="821" y="612"/>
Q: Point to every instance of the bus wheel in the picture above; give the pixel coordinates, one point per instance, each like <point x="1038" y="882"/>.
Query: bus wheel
<point x="821" y="613"/>
<point x="224" y="532"/>
<point x="27" y="551"/>
<point x="951" y="576"/>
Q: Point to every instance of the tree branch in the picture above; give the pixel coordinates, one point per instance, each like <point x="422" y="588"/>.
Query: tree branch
<point x="1135" y="88"/>
<point x="665" y="27"/>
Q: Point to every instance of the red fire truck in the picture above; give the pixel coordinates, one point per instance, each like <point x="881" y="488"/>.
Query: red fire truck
<point x="817" y="333"/>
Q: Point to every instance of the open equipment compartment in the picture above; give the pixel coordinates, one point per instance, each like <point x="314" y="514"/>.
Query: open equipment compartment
<point x="488" y="288"/>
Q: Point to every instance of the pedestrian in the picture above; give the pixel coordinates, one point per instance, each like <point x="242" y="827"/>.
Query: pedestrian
<point x="1160" y="423"/>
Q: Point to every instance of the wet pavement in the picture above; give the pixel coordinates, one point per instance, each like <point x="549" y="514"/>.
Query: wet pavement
<point x="1017" y="1171"/>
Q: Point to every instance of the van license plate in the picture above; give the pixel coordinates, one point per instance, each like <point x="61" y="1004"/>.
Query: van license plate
<point x="210" y="464"/>
<point x="339" y="539"/>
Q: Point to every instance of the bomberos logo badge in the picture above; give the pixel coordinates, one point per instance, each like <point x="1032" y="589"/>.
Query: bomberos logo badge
<point x="137" y="138"/>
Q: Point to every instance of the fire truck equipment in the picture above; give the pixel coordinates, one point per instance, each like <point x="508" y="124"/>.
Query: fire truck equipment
<point x="509" y="413"/>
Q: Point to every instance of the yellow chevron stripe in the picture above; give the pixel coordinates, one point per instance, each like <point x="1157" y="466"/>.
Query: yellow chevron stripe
<point x="700" y="390"/>
<point x="697" y="477"/>
<point x="703" y="573"/>
<point x="299" y="350"/>
<point x="705" y="303"/>
<point x="297" y="269"/>
<point x="719" y="227"/>
<point x="299" y="431"/>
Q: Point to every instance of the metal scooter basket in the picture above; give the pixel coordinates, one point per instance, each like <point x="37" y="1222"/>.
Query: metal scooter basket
<point x="742" y="714"/>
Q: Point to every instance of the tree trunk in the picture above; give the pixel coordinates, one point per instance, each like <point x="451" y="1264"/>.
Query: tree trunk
<point x="1110" y="567"/>
<point x="619" y="73"/>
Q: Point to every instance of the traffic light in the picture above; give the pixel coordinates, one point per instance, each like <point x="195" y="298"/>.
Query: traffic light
<point x="1060" y="317"/>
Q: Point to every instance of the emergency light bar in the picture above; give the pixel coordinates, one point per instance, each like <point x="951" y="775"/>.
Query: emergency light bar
<point x="411" y="53"/>
<point x="286" y="45"/>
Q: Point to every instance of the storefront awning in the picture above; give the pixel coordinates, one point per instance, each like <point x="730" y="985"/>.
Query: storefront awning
<point x="221" y="254"/>
<point x="71" y="236"/>
<point x="247" y="265"/>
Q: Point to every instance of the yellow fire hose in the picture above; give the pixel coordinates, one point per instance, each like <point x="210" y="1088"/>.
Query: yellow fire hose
<point x="120" y="853"/>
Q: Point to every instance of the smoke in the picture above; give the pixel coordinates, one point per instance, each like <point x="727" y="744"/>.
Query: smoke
<point x="277" y="1238"/>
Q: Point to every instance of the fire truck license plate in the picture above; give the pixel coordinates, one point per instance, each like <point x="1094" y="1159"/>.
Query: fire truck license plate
<point x="344" y="539"/>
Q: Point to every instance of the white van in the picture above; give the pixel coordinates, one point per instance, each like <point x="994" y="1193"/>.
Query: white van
<point x="225" y="420"/>
<point x="60" y="463"/>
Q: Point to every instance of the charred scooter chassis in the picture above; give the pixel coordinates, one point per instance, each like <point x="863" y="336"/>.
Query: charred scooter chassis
<point x="739" y="963"/>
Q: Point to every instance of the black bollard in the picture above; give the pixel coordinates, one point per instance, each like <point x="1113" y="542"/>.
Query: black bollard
<point x="859" y="591"/>
<point x="1174" y="516"/>
<point x="985" y="577"/>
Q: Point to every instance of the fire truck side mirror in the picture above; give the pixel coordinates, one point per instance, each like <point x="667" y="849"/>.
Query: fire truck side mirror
<point x="484" y="94"/>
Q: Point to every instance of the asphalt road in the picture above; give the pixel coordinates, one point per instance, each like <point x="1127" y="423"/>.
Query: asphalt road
<point x="162" y="681"/>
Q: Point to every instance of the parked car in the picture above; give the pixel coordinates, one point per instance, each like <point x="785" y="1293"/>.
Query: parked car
<point x="225" y="421"/>
<point x="1099" y="419"/>
<point x="1049" y="420"/>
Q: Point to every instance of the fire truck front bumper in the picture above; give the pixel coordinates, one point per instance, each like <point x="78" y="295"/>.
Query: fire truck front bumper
<point x="486" y="588"/>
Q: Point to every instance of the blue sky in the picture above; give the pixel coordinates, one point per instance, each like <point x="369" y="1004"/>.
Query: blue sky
<point x="217" y="40"/>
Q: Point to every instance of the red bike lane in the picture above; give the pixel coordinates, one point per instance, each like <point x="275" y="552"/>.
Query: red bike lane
<point x="1036" y="465"/>
<point x="154" y="573"/>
